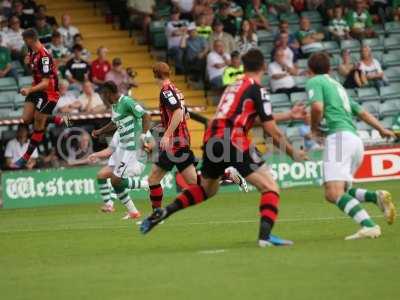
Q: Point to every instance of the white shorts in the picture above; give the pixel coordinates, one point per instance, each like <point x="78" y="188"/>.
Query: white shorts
<point x="343" y="155"/>
<point x="126" y="163"/>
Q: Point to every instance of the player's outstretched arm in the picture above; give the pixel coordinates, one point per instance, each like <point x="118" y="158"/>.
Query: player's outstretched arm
<point x="281" y="142"/>
<point x="298" y="112"/>
<point x="373" y="122"/>
<point x="109" y="128"/>
<point x="95" y="157"/>
<point x="37" y="88"/>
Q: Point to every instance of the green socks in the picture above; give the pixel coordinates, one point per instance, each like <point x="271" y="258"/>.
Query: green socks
<point x="363" y="195"/>
<point x="352" y="208"/>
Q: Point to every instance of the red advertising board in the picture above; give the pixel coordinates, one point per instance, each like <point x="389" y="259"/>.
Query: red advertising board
<point x="379" y="164"/>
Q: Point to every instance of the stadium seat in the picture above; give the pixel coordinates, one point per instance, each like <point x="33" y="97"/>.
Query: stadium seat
<point x="279" y="100"/>
<point x="352" y="45"/>
<point x="17" y="66"/>
<point x="314" y="16"/>
<point x="273" y="20"/>
<point x="376" y="137"/>
<point x="294" y="27"/>
<point x="4" y="112"/>
<point x="331" y="47"/>
<point x="392" y="43"/>
<point x="157" y="33"/>
<point x="302" y="64"/>
<point x="389" y="108"/>
<point x="292" y="132"/>
<point x="379" y="29"/>
<point x="387" y="122"/>
<point x="8" y="84"/>
<point x="300" y="81"/>
<point x="292" y="18"/>
<point x="367" y="94"/>
<point x="352" y="94"/>
<point x="19" y="101"/>
<point x="24" y="81"/>
<point x="265" y="80"/>
<point x="392" y="27"/>
<point x="389" y="92"/>
<point x="364" y="135"/>
<point x="378" y="55"/>
<point x="375" y="44"/>
<point x="7" y="135"/>
<point x="391" y="59"/>
<point x="393" y="74"/>
<point x="355" y="57"/>
<point x="7" y="99"/>
<point x="265" y="36"/>
<point x="372" y="107"/>
<point x="363" y="126"/>
<point x="281" y="108"/>
<point x="16" y="113"/>
<point x="298" y="97"/>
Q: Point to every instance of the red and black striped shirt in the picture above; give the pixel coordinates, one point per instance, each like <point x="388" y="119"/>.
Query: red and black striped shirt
<point x="237" y="111"/>
<point x="172" y="99"/>
<point x="43" y="66"/>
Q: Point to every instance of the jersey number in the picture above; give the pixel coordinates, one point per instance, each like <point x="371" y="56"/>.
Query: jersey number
<point x="343" y="95"/>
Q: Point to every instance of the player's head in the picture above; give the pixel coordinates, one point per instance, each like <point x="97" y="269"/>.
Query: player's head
<point x="319" y="63"/>
<point x="253" y="61"/>
<point x="235" y="59"/>
<point x="161" y="71"/>
<point x="30" y="37"/>
<point x="109" y="92"/>
<point x="22" y="133"/>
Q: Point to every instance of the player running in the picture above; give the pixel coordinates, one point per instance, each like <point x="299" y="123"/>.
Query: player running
<point x="343" y="152"/>
<point x="132" y="123"/>
<point x="105" y="173"/>
<point x="41" y="97"/>
<point x="226" y="143"/>
<point x="175" y="144"/>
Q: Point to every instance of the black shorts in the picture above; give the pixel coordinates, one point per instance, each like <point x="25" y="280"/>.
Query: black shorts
<point x="41" y="102"/>
<point x="182" y="159"/>
<point x="216" y="159"/>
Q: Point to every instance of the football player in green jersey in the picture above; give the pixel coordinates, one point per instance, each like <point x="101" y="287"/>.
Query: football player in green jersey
<point x="344" y="150"/>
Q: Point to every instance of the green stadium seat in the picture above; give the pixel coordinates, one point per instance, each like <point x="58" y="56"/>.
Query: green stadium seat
<point x="352" y="93"/>
<point x="393" y="74"/>
<point x="279" y="100"/>
<point x="390" y="92"/>
<point x="378" y="55"/>
<point x="392" y="43"/>
<point x="389" y="108"/>
<point x="372" y="107"/>
<point x="379" y="29"/>
<point x="18" y="67"/>
<point x="392" y="27"/>
<point x="16" y="113"/>
<point x="331" y="47"/>
<point x="265" y="36"/>
<point x="281" y="109"/>
<point x="24" y="81"/>
<point x="302" y="64"/>
<point x="391" y="59"/>
<point x="157" y="34"/>
<point x="273" y="20"/>
<point x="374" y="44"/>
<point x="7" y="99"/>
<point x="292" y="18"/>
<point x="314" y="16"/>
<point x="298" y="97"/>
<point x="292" y="132"/>
<point x="19" y="101"/>
<point x="8" y="84"/>
<point x="363" y="126"/>
<point x="294" y="27"/>
<point x="300" y="81"/>
<point x="355" y="57"/>
<point x="387" y="122"/>
<point x="367" y="94"/>
<point x="352" y="45"/>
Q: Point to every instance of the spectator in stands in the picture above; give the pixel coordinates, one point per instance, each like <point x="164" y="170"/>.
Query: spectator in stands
<point x="217" y="61"/>
<point x="396" y="10"/>
<point x="68" y="102"/>
<point x="204" y="7"/>
<point x="26" y="20"/>
<point x="257" y="13"/>
<point x="203" y="30"/>
<point x="338" y="27"/>
<point x="30" y="6"/>
<point x="67" y="31"/>
<point x="247" y="39"/>
<point x="354" y="78"/>
<point x="79" y="149"/>
<point x="379" y="10"/>
<point x="229" y="17"/>
<point x="235" y="70"/>
<point x="17" y="147"/>
<point x="281" y="73"/>
<point x="78" y="40"/>
<point x="60" y="53"/>
<point x="90" y="100"/>
<point x="298" y="6"/>
<point x="283" y="43"/>
<point x="186" y="7"/>
<point x="360" y="21"/>
<point x="15" y="42"/>
<point x="310" y="144"/>
<point x="396" y="125"/>
<point x="44" y="30"/>
<point x="141" y="13"/>
<point x="279" y="7"/>
<point x="224" y="37"/>
<point x="77" y="69"/>
<point x="120" y="77"/>
<point x="293" y="43"/>
<point x="176" y="29"/>
<point x="309" y="39"/>
<point x="42" y="12"/>
<point x="100" y="66"/>
<point x="6" y="7"/>
<point x="371" y="68"/>
<point x="6" y="68"/>
<point x="196" y="49"/>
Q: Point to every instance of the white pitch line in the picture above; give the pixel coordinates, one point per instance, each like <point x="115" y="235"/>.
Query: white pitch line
<point x="288" y="220"/>
<point x="216" y="251"/>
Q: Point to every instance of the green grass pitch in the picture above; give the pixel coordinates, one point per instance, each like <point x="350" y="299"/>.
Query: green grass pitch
<point x="206" y="252"/>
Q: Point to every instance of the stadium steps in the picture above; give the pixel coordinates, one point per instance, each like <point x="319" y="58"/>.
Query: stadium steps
<point x="96" y="32"/>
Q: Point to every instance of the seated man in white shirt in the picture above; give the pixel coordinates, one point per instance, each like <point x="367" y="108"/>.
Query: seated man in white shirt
<point x="14" y="40"/>
<point x="17" y="147"/>
<point x="67" y="31"/>
<point x="91" y="101"/>
<point x="217" y="61"/>
<point x="281" y="72"/>
<point x="68" y="102"/>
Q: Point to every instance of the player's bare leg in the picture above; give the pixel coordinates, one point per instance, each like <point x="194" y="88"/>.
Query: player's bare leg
<point x="190" y="175"/>
<point x="269" y="205"/>
<point x="123" y="196"/>
<point x="28" y="113"/>
<point x="105" y="189"/>
<point x="155" y="188"/>
<point x="335" y="193"/>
